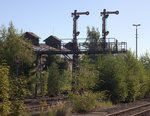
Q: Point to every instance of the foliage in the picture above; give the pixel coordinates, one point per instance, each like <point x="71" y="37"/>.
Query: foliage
<point x="62" y="64"/>
<point x="123" y="76"/>
<point x="105" y="104"/>
<point x="112" y="77"/>
<point x="18" y="88"/>
<point x="31" y="85"/>
<point x="87" y="101"/>
<point x="92" y="42"/>
<point x="62" y="110"/>
<point x="58" y="81"/>
<point x="59" y="110"/>
<point x="15" y="46"/>
<point x="136" y="78"/>
<point x="145" y="60"/>
<point x="4" y="90"/>
<point x="86" y="77"/>
<point x="42" y="104"/>
<point x="17" y="108"/>
<point x="44" y="83"/>
<point x="83" y="82"/>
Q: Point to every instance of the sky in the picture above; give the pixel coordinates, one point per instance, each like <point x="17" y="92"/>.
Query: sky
<point x="53" y="17"/>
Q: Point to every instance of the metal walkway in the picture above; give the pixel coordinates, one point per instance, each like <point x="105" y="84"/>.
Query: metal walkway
<point x="112" y="46"/>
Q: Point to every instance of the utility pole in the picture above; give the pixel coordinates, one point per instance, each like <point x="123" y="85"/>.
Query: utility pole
<point x="75" y="16"/>
<point x="105" y="15"/>
<point x="136" y="25"/>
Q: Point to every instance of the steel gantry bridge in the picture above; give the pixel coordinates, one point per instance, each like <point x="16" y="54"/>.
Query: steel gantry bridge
<point x="112" y="46"/>
<point x="75" y="47"/>
<point x="105" y="45"/>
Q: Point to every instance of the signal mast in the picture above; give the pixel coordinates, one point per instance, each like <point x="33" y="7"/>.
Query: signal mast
<point x="105" y="15"/>
<point x="76" y="33"/>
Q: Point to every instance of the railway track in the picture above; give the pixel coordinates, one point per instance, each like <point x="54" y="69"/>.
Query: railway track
<point x="142" y="110"/>
<point x="38" y="108"/>
<point x="35" y="106"/>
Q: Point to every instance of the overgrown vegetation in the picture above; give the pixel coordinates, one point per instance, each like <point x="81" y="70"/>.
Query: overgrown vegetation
<point x="98" y="80"/>
<point x="4" y="90"/>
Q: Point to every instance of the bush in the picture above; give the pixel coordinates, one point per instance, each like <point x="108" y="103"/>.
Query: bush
<point x="136" y="78"/>
<point x="86" y="77"/>
<point x="86" y="102"/>
<point x="60" y="110"/>
<point x="42" y="104"/>
<point x="18" y="88"/>
<point x="17" y="108"/>
<point x="112" y="74"/>
<point x="4" y="89"/>
<point x="58" y="81"/>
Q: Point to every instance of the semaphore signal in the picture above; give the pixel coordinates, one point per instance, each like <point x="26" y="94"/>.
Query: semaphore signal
<point x="76" y="33"/>
<point x="105" y="14"/>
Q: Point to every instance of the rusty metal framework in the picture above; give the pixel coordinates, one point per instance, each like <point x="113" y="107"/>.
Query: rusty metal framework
<point x="113" y="46"/>
<point x="107" y="45"/>
<point x="105" y="15"/>
<point x="75" y="16"/>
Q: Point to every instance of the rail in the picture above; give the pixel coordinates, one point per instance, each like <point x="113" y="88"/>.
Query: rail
<point x="135" y="111"/>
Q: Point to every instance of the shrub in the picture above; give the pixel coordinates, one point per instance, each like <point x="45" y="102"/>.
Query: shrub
<point x="60" y="110"/>
<point x="112" y="73"/>
<point x="86" y="102"/>
<point x="58" y="81"/>
<point x="136" y="78"/>
<point x="18" y="88"/>
<point x="4" y="89"/>
<point x="17" y="108"/>
<point x="43" y="104"/>
<point x="86" y="77"/>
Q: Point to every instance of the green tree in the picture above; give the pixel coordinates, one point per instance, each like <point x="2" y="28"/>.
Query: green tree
<point x="86" y="77"/>
<point x="93" y="39"/>
<point x="145" y="60"/>
<point x="112" y="72"/>
<point x="136" y="77"/>
<point x="84" y="81"/>
<point x="58" y="80"/>
<point x="18" y="89"/>
<point x="92" y="42"/>
<point x="4" y="90"/>
<point x="62" y="63"/>
<point x="15" y="46"/>
<point x="44" y="82"/>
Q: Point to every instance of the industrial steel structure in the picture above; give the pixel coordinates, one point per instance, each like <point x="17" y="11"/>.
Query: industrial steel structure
<point x="76" y="48"/>
<point x="72" y="48"/>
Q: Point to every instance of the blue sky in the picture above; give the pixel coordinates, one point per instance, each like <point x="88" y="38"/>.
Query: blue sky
<point x="53" y="17"/>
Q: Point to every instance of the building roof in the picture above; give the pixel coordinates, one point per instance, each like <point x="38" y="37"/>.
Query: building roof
<point x="33" y="34"/>
<point x="43" y="47"/>
<point x="52" y="36"/>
